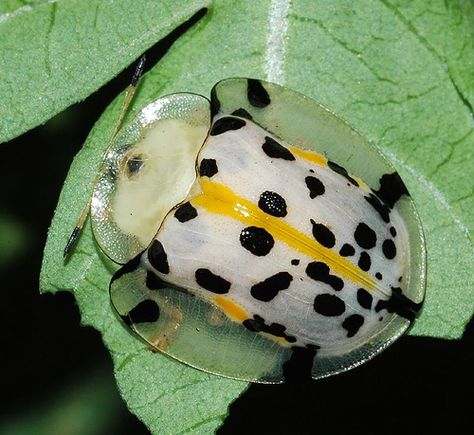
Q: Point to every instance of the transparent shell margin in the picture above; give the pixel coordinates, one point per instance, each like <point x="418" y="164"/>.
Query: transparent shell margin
<point x="122" y="245"/>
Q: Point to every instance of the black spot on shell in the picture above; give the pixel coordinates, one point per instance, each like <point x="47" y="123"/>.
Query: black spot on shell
<point x="256" y="240"/>
<point x="145" y="311"/>
<point x="365" y="236"/>
<point x="347" y="250"/>
<point x="185" y="212"/>
<point x="393" y="231"/>
<point x="389" y="249"/>
<point x="275" y="150"/>
<point x="208" y="168"/>
<point x="391" y="188"/>
<point x="242" y="113"/>
<point x="257" y="94"/>
<point x="319" y="271"/>
<point x="329" y="305"/>
<point x="364" y="261"/>
<point x="323" y="234"/>
<point x="227" y="123"/>
<point x="215" y="103"/>
<point x="267" y="289"/>
<point x="272" y="204"/>
<point x="153" y="282"/>
<point x="342" y="171"/>
<point x="127" y="268"/>
<point x="295" y="262"/>
<point x="299" y="367"/>
<point x="257" y="324"/>
<point x="212" y="282"/>
<point x="379" y="207"/>
<point x="352" y="324"/>
<point x="400" y="304"/>
<point x="364" y="298"/>
<point x="379" y="276"/>
<point x="315" y="186"/>
<point x="157" y="257"/>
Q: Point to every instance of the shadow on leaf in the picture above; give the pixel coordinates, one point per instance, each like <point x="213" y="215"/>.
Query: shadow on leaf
<point x="418" y="384"/>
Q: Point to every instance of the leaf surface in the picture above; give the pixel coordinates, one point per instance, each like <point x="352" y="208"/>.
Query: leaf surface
<point x="56" y="53"/>
<point x="399" y="71"/>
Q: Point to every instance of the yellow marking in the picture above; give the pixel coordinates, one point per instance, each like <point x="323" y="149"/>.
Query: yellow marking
<point x="320" y="160"/>
<point x="362" y="185"/>
<point x="237" y="313"/>
<point x="280" y="340"/>
<point x="219" y="199"/>
<point x="233" y="310"/>
<point x="309" y="156"/>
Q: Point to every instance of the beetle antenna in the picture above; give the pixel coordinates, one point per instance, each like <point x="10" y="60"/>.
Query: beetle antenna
<point x="129" y="93"/>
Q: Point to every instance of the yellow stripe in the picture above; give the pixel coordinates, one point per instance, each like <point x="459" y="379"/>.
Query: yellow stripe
<point x="309" y="156"/>
<point x="218" y="199"/>
<point x="233" y="310"/>
<point x="320" y="160"/>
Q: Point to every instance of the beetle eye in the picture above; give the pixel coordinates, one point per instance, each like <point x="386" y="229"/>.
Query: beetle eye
<point x="134" y="164"/>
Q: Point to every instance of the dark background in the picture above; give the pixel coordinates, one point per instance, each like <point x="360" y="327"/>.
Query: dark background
<point x="418" y="385"/>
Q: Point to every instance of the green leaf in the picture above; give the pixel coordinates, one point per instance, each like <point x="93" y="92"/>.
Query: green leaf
<point x="399" y="71"/>
<point x="56" y="53"/>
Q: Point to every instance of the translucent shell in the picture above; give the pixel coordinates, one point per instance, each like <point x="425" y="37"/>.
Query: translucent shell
<point x="154" y="177"/>
<point x="146" y="173"/>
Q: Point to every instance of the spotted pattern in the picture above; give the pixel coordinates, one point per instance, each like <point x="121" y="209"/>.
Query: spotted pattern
<point x="185" y="212"/>
<point x="315" y="186"/>
<point x="272" y="204"/>
<point x="208" y="168"/>
<point x="391" y="188"/>
<point x="342" y="171"/>
<point x="352" y="324"/>
<point x="323" y="234"/>
<point x="275" y="150"/>
<point x="256" y="240"/>
<point x="364" y="261"/>
<point x="347" y="250"/>
<point x="400" y="304"/>
<point x="267" y="290"/>
<point x="389" y="249"/>
<point x="212" y="282"/>
<point x="379" y="207"/>
<point x="145" y="311"/>
<point x="227" y="123"/>
<point x="152" y="282"/>
<point x="365" y="236"/>
<point x="242" y="113"/>
<point x="329" y="305"/>
<point x="319" y="271"/>
<point x="215" y="103"/>
<point x="158" y="258"/>
<point x="364" y="298"/>
<point x="366" y="246"/>
<point x="257" y="324"/>
<point x="257" y="94"/>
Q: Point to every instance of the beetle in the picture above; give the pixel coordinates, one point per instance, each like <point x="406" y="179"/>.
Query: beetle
<point x="262" y="238"/>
